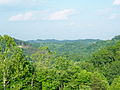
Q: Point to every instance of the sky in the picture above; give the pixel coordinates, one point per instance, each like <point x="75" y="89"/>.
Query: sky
<point x="60" y="19"/>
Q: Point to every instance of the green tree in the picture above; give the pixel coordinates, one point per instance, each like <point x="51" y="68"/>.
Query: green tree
<point x="115" y="84"/>
<point x="98" y="81"/>
<point x="111" y="70"/>
<point x="42" y="61"/>
<point x="82" y="80"/>
<point x="16" y="71"/>
<point x="62" y="67"/>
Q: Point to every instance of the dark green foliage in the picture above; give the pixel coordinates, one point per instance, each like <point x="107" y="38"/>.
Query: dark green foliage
<point x="115" y="84"/>
<point x="107" y="60"/>
<point x="112" y="70"/>
<point x="116" y="37"/>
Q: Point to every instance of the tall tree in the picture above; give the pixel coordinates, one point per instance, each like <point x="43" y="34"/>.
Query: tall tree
<point x="16" y="71"/>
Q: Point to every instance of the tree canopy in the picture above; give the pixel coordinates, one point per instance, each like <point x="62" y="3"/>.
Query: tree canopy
<point x="75" y="65"/>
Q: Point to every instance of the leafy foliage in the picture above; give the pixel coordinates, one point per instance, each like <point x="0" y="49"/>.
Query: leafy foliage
<point x="59" y="65"/>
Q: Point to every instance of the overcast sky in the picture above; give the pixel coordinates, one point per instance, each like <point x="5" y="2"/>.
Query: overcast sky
<point x="60" y="19"/>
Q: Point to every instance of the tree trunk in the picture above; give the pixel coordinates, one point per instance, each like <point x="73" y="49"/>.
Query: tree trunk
<point x="4" y="81"/>
<point x="61" y="87"/>
<point x="32" y="82"/>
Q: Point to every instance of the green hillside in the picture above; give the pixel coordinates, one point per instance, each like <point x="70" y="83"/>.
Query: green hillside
<point x="59" y="65"/>
<point x="74" y="49"/>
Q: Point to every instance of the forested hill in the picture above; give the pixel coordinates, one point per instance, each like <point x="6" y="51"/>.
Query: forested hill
<point x="76" y="49"/>
<point x="63" y="41"/>
<point x="64" y="46"/>
<point x="67" y="65"/>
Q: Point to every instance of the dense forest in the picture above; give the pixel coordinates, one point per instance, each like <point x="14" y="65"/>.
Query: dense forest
<point x="89" y="64"/>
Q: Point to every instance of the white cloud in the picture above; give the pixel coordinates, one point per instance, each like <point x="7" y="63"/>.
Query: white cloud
<point x="24" y="16"/>
<point x="31" y="15"/>
<point x="116" y="2"/>
<point x="22" y="2"/>
<point x="61" y="15"/>
<point x="43" y="15"/>
<point x="5" y="1"/>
